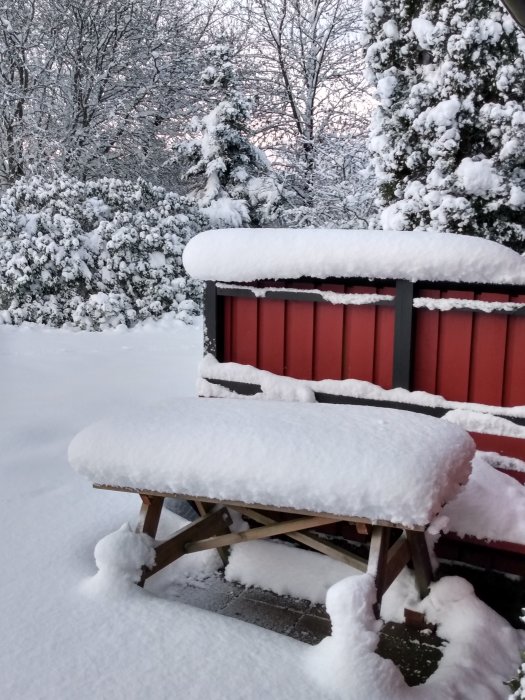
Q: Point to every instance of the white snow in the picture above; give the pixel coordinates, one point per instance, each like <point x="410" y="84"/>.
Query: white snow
<point x="424" y="31"/>
<point x="287" y="388"/>
<point x="491" y="506"/>
<point x="478" y="177"/>
<point x="246" y="255"/>
<point x="477" y="422"/>
<point x="67" y="634"/>
<point x="347" y="664"/>
<point x="64" y="635"/>
<point x="470" y="304"/>
<point x="330" y="297"/>
<point x="285" y="570"/>
<point x="375" y="463"/>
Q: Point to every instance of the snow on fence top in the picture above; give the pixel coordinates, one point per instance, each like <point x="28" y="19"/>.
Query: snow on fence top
<point x="246" y="255"/>
<point x="376" y="463"/>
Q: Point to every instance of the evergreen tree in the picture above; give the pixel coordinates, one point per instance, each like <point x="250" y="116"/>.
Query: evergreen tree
<point x="232" y="180"/>
<point x="94" y="254"/>
<point x="448" y="138"/>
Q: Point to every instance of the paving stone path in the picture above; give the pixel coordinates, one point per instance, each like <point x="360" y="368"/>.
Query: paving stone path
<point x="415" y="652"/>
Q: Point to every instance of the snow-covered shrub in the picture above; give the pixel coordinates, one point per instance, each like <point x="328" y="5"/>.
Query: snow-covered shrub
<point x="232" y="180"/>
<point x="94" y="254"/>
<point x="448" y="138"/>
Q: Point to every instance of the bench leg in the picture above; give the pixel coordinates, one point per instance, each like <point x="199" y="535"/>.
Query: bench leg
<point x="208" y="526"/>
<point x="421" y="560"/>
<point x="377" y="562"/>
<point x="149" y="514"/>
<point x="203" y="509"/>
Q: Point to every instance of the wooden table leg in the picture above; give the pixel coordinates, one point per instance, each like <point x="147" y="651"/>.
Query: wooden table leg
<point x="204" y="509"/>
<point x="421" y="560"/>
<point x="149" y="514"/>
<point x="377" y="561"/>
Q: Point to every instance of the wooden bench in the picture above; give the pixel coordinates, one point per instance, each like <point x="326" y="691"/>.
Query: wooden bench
<point x="289" y="468"/>
<point x="388" y="554"/>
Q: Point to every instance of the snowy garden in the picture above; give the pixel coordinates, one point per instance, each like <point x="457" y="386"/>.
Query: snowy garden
<point x="265" y="257"/>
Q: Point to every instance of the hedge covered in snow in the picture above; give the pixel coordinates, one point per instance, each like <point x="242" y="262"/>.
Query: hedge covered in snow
<point x="94" y="254"/>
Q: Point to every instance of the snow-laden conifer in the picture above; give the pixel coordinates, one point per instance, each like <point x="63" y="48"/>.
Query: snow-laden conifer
<point x="94" y="254"/>
<point x="448" y="136"/>
<point x="231" y="179"/>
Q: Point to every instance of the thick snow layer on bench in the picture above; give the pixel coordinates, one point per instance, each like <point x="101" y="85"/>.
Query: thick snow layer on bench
<point x="376" y="463"/>
<point x="246" y="255"/>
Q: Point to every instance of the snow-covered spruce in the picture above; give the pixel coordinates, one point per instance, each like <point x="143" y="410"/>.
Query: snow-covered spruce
<point x="232" y="179"/>
<point x="94" y="254"/>
<point x="448" y="137"/>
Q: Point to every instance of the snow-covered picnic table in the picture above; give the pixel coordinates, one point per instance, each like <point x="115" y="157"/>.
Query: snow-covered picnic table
<point x="269" y="460"/>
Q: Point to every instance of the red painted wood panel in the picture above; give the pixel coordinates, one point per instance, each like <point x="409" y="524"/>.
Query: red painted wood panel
<point x="384" y="342"/>
<point x="426" y="343"/>
<point x="487" y="358"/>
<point x="502" y="444"/>
<point x="359" y="338"/>
<point x="514" y="383"/>
<point x="271" y="335"/>
<point x="227" y="330"/>
<point x="299" y="336"/>
<point x="502" y="556"/>
<point x="328" y="336"/>
<point x="244" y="331"/>
<point x="455" y="336"/>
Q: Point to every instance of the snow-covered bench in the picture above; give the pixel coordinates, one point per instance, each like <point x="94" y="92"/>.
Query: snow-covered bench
<point x="289" y="467"/>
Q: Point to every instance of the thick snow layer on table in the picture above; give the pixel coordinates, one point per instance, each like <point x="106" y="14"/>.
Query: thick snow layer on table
<point x="246" y="255"/>
<point x="370" y="462"/>
<point x="491" y="506"/>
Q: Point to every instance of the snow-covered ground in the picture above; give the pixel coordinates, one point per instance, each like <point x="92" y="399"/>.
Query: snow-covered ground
<point x="68" y="635"/>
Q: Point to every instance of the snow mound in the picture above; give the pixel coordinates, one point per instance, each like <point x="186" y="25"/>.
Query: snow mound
<point x="381" y="464"/>
<point x="285" y="570"/>
<point x="245" y="255"/>
<point x="120" y="557"/>
<point x="346" y="662"/>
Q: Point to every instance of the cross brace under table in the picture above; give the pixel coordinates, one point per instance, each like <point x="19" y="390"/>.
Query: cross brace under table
<point x="212" y="531"/>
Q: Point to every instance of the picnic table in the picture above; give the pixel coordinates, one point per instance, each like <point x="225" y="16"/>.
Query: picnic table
<point x="290" y="468"/>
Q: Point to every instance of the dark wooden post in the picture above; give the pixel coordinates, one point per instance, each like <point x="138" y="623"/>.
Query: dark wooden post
<point x="402" y="369"/>
<point x="213" y="321"/>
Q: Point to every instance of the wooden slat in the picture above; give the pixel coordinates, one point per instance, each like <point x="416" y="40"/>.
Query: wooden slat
<point x="359" y="338"/>
<point x="384" y="343"/>
<point x="174" y="548"/>
<point x="259" y="533"/>
<point x="299" y="337"/>
<point x="310" y="540"/>
<point x="270" y="336"/>
<point x="502" y="444"/>
<point x="258" y="506"/>
<point x="514" y="383"/>
<point x="426" y="340"/>
<point x="455" y="337"/>
<point x="149" y="515"/>
<point x="487" y="358"/>
<point x="244" y="331"/>
<point x="227" y="331"/>
<point x="328" y="336"/>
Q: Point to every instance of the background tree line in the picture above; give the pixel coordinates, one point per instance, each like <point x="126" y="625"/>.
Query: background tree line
<point x="98" y="88"/>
